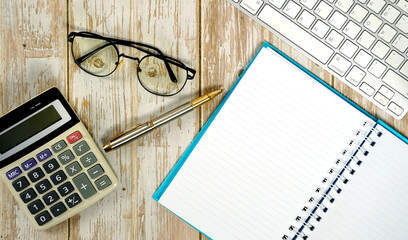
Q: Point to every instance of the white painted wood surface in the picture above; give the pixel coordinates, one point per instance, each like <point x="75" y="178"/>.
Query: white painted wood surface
<point x="208" y="35"/>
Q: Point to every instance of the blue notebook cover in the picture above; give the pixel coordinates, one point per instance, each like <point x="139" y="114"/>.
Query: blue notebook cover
<point x="187" y="153"/>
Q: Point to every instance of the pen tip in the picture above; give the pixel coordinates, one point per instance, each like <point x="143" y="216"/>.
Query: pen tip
<point x="107" y="147"/>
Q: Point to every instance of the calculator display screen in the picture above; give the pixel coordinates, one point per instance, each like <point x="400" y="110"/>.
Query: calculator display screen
<point x="28" y="128"/>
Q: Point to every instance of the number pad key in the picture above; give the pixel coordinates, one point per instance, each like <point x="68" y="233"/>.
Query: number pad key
<point x="58" y="177"/>
<point x="50" y="198"/>
<point x="73" y="200"/>
<point x="58" y="209"/>
<point x="73" y="168"/>
<point x="103" y="182"/>
<point x="66" y="157"/>
<point x="36" y="175"/>
<point x="81" y="148"/>
<point x="84" y="186"/>
<point x="43" y="218"/>
<point x="65" y="189"/>
<point x="20" y="184"/>
<point x="28" y="195"/>
<point x="51" y="165"/>
<point x="35" y="207"/>
<point x="43" y="186"/>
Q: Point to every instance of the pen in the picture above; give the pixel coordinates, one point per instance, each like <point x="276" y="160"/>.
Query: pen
<point x="146" y="127"/>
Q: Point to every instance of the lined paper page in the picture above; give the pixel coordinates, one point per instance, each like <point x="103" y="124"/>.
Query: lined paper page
<point x="263" y="155"/>
<point x="373" y="205"/>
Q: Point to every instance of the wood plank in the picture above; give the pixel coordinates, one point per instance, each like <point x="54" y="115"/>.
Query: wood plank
<point x="33" y="50"/>
<point x="112" y="104"/>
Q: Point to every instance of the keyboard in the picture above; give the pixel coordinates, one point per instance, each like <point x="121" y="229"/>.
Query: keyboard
<point x="361" y="42"/>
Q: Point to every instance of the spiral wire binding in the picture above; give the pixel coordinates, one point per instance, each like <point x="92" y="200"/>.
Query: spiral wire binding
<point x="337" y="175"/>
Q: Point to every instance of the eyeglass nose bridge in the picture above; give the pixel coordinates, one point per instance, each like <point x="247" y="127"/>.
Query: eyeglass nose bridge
<point x="130" y="57"/>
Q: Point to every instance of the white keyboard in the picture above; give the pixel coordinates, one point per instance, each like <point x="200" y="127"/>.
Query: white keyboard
<point x="364" y="43"/>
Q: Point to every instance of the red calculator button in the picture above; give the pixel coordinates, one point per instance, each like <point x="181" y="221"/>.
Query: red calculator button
<point x="74" y="137"/>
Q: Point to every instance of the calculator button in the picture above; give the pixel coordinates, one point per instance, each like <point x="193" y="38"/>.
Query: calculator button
<point x="103" y="182"/>
<point x="51" y="166"/>
<point x="36" y="175"/>
<point x="43" y="218"/>
<point x="74" y="137"/>
<point x="20" y="184"/>
<point x="58" y="209"/>
<point x="65" y="189"/>
<point x="35" y="206"/>
<point x="66" y="157"/>
<point x="43" y="186"/>
<point x="95" y="171"/>
<point x="73" y="200"/>
<point x="28" y="195"/>
<point x="58" y="177"/>
<point x="84" y="186"/>
<point x="13" y="173"/>
<point x="88" y="159"/>
<point x="50" y="198"/>
<point x="59" y="146"/>
<point x="73" y="168"/>
<point x="28" y="164"/>
<point x="44" y="155"/>
<point x="81" y="148"/>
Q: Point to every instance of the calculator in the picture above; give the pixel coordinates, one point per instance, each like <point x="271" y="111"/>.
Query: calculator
<point x="50" y="162"/>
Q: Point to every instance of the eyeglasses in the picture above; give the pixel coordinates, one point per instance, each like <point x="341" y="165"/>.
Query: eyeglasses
<point x="158" y="74"/>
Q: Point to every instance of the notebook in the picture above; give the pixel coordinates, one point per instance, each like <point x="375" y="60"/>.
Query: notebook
<point x="285" y="156"/>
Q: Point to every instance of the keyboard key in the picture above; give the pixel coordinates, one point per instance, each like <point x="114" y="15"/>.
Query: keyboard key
<point x="29" y="164"/>
<point x="339" y="64"/>
<point x="58" y="209"/>
<point x="404" y="69"/>
<point x="355" y="76"/>
<point x="393" y="107"/>
<point x="320" y="29"/>
<point x="367" y="89"/>
<point x="84" y="186"/>
<point x="44" y="155"/>
<point x="103" y="182"/>
<point x="381" y="99"/>
<point x="50" y="198"/>
<point x="403" y="4"/>
<point x="251" y="6"/>
<point x="66" y="157"/>
<point x="35" y="206"/>
<point x="344" y="5"/>
<point x="402" y="24"/>
<point x="377" y="68"/>
<point x="376" y="5"/>
<point x="73" y="168"/>
<point x="13" y="173"/>
<point x="401" y="43"/>
<point x="28" y="195"/>
<point x="65" y="189"/>
<point x="358" y="13"/>
<point x="334" y="39"/>
<point x="380" y="49"/>
<point x="58" y="177"/>
<point x="387" y="33"/>
<point x="366" y="39"/>
<point x="394" y="59"/>
<point x="352" y="30"/>
<point x="300" y="37"/>
<point x="323" y="10"/>
<point x="337" y="20"/>
<point x="73" y="200"/>
<point x="386" y="92"/>
<point x="390" y="14"/>
<point x="74" y="137"/>
<point x="43" y="186"/>
<point x="95" y="171"/>
<point x="292" y="9"/>
<point x="308" y="3"/>
<point x="88" y="159"/>
<point x="20" y="184"/>
<point x="306" y="19"/>
<point x="277" y="3"/>
<point x="51" y="166"/>
<point x="36" y="175"/>
<point x="395" y="81"/>
<point x="363" y="58"/>
<point x="373" y="23"/>
<point x="81" y="148"/>
<point x="348" y="48"/>
<point x="43" y="218"/>
<point x="59" y="146"/>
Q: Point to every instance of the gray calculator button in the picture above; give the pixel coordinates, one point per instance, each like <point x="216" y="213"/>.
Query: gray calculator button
<point x="88" y="159"/>
<point x="73" y="168"/>
<point x="95" y="171"/>
<point x="66" y="157"/>
<point x="103" y="182"/>
<point x="59" y="146"/>
<point x="81" y="148"/>
<point x="84" y="186"/>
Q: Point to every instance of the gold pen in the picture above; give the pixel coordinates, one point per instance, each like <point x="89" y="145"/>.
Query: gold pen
<point x="146" y="127"/>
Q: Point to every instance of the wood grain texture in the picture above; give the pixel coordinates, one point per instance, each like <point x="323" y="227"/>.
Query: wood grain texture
<point x="209" y="35"/>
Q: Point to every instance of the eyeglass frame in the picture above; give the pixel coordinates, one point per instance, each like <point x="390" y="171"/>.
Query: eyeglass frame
<point x="113" y="41"/>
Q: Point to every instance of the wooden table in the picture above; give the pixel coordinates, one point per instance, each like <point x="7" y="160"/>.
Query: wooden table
<point x="208" y="35"/>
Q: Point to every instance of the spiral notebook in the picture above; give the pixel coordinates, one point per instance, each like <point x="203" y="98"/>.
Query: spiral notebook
<point x="285" y="156"/>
